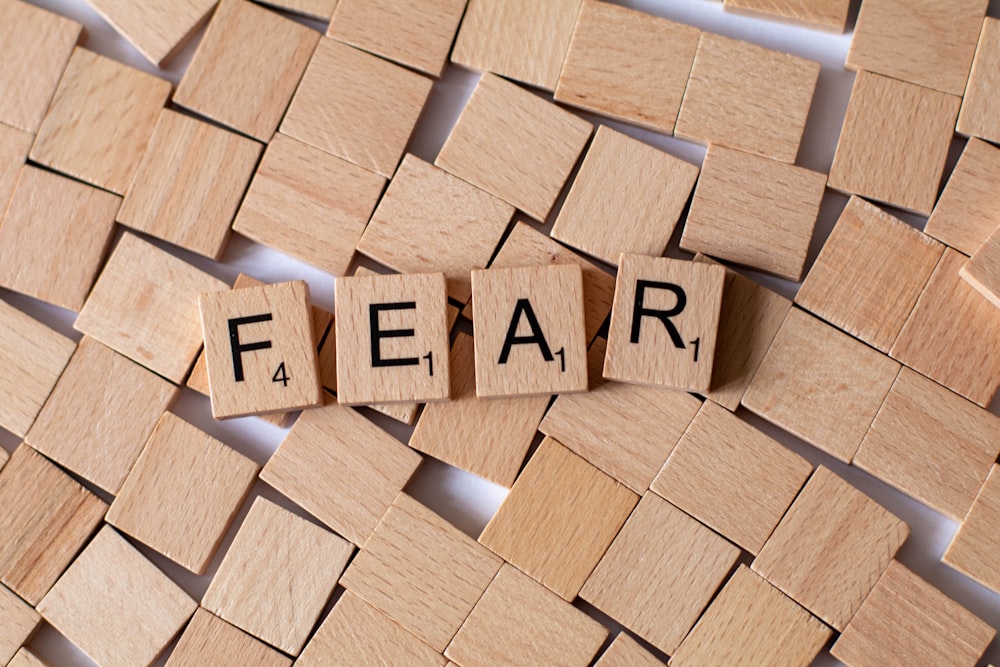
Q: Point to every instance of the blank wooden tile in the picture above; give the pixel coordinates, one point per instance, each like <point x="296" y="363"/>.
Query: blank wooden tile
<point x="208" y="640"/>
<point x="659" y="573"/>
<point x="926" y="42"/>
<point x="969" y="208"/>
<point x="356" y="106"/>
<point x="246" y="68"/>
<point x="953" y="335"/>
<point x="983" y="270"/>
<point x="664" y="322"/>
<point x="488" y="437"/>
<point x="19" y="622"/>
<point x="609" y="41"/>
<point x="822" y="14"/>
<point x="514" y="144"/>
<point x="14" y="147"/>
<point x="820" y="384"/>
<point x="974" y="550"/>
<point x="277" y="576"/>
<point x="317" y="9"/>
<point x="156" y="28"/>
<point x="908" y="621"/>
<point x="520" y="622"/>
<point x="429" y="220"/>
<point x="627" y="652"/>
<point x="894" y="142"/>
<point x="754" y="211"/>
<point x="752" y="622"/>
<point x="626" y="430"/>
<point x="627" y="197"/>
<point x="342" y="469"/>
<point x="979" y="117"/>
<point x="115" y="605"/>
<point x="530" y="337"/>
<point x="748" y="97"/>
<point x="145" y="306"/>
<point x="558" y="519"/>
<point x="25" y="658"/>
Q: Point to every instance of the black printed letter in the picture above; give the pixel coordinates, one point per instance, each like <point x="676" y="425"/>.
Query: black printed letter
<point x="523" y="307"/>
<point x="378" y="334"/>
<point x="663" y="315"/>
<point x="238" y="347"/>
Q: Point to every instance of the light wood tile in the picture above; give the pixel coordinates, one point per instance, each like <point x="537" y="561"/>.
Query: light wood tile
<point x="983" y="270"/>
<point x="14" y="147"/>
<point x="321" y="10"/>
<point x="156" y="28"/>
<point x="979" y="117"/>
<point x="969" y="208"/>
<point x="975" y="549"/>
<point x="821" y="14"/>
<point x="208" y="640"/>
<point x="19" y="622"/>
<point x="25" y="658"/>
<point x="627" y="652"/>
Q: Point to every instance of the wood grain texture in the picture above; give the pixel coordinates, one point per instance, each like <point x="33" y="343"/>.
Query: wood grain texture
<point x="514" y="144"/>
<point x="14" y="147"/>
<point x="894" y="142"/>
<point x="627" y="652"/>
<point x="979" y="117"/>
<point x="156" y="28"/>
<point x="754" y="211"/>
<point x="983" y="270"/>
<point x="317" y="9"/>
<point x="659" y="573"/>
<point x="974" y="550"/>
<point x="208" y="640"/>
<point x="821" y="14"/>
<point x="969" y="207"/>
<point x="277" y="576"/>
<point x="25" y="658"/>
<point x="19" y="623"/>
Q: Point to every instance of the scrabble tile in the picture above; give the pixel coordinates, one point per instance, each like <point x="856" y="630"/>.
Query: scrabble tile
<point x="982" y="272"/>
<point x="14" y="147"/>
<point x="627" y="652"/>
<point x="25" y="658"/>
<point x="830" y="548"/>
<point x="278" y="604"/>
<point x="34" y="357"/>
<point x="157" y="28"/>
<point x="208" y="640"/>
<point x="36" y="45"/>
<point x="683" y="299"/>
<point x="488" y="437"/>
<point x="519" y="622"/>
<point x="869" y="274"/>
<point x="906" y="620"/>
<point x="659" y="573"/>
<point x="978" y="117"/>
<point x="145" y="306"/>
<point x="559" y="518"/>
<point x="626" y="430"/>
<point x="429" y="220"/>
<point x="973" y="550"/>
<point x="308" y="204"/>
<point x="318" y="9"/>
<point x="953" y="335"/>
<point x="733" y="478"/>
<point x="752" y="622"/>
<point x="356" y="106"/>
<point x="246" y="68"/>
<point x="517" y="39"/>
<point x="417" y="35"/>
<point x="754" y="211"/>
<point x="530" y="337"/>
<point x="821" y="14"/>
<point x="514" y="144"/>
<point x="627" y="197"/>
<point x="969" y="208"/>
<point x="342" y="469"/>
<point x="894" y="142"/>
<point x="820" y="384"/>
<point x="20" y="621"/>
<point x="54" y="237"/>
<point x="656" y="54"/>
<point x="748" y="97"/>
<point x="115" y="605"/>
<point x="926" y="42"/>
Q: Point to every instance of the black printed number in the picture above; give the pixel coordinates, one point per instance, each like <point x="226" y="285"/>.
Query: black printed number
<point x="697" y="345"/>
<point x="281" y="375"/>
<point x="430" y="363"/>
<point x="561" y="353"/>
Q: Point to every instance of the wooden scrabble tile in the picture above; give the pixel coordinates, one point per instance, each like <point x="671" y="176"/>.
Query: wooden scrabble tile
<point x="517" y="39"/>
<point x="906" y="620"/>
<point x="627" y="198"/>
<point x="36" y="45"/>
<point x="34" y="356"/>
<point x="246" y="68"/>
<point x="733" y="478"/>
<point x="145" y="306"/>
<point x="488" y="437"/>
<point x="926" y="42"/>
<point x="969" y="208"/>
<point x="609" y="40"/>
<point x="14" y="147"/>
<point x="974" y="551"/>
<point x="820" y="384"/>
<point x="318" y="9"/>
<point x="208" y="640"/>
<point x="754" y="211"/>
<point x="25" y="658"/>
<point x="356" y="106"/>
<point x="514" y="144"/>
<point x="559" y="518"/>
<point x="626" y="430"/>
<point x="54" y="237"/>
<point x="676" y="349"/>
<point x="822" y="14"/>
<point x="530" y="337"/>
<point x="115" y="605"/>
<point x="869" y="274"/>
<point x="894" y="142"/>
<point x="979" y="117"/>
<point x="659" y="573"/>
<point x="429" y="220"/>
<point x="953" y="334"/>
<point x="278" y="604"/>
<point x="983" y="270"/>
<point x="421" y="572"/>
<point x="752" y="622"/>
<point x="157" y="28"/>
<point x="748" y="97"/>
<point x="342" y="469"/>
<point x="830" y="548"/>
<point x="19" y="622"/>
<point x="627" y="652"/>
<point x="520" y="622"/>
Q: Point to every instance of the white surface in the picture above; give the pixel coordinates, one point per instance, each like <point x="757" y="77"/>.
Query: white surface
<point x="462" y="498"/>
